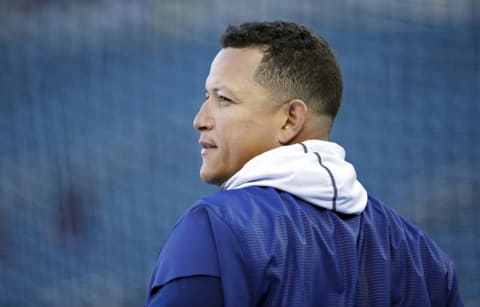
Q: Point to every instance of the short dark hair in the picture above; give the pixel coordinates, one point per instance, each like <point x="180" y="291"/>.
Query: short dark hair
<point x="297" y="63"/>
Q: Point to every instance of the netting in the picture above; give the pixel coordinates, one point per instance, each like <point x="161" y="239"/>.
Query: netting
<point x="98" y="157"/>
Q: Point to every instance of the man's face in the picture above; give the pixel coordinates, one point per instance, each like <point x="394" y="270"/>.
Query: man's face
<point x="238" y="119"/>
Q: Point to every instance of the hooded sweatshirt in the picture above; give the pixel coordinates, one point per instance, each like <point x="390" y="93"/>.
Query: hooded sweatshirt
<point x="315" y="171"/>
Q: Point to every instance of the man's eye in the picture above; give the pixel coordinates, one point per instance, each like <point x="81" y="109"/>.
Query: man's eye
<point x="224" y="99"/>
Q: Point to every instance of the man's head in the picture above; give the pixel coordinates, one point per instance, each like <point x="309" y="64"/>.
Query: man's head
<point x="297" y="63"/>
<point x="272" y="84"/>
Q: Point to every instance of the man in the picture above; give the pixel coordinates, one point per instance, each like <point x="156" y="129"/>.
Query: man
<point x="291" y="225"/>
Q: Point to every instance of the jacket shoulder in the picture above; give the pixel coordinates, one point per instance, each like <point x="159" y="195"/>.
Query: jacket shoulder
<point x="412" y="259"/>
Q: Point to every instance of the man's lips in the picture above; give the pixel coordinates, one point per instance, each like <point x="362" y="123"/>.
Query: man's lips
<point x="207" y="146"/>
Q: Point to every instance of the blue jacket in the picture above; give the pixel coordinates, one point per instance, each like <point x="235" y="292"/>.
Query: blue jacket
<point x="267" y="247"/>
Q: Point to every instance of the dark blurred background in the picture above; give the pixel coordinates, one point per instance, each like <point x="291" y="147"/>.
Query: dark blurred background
<point x="98" y="157"/>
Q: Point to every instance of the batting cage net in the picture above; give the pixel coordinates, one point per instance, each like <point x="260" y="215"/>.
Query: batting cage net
<point x="98" y="157"/>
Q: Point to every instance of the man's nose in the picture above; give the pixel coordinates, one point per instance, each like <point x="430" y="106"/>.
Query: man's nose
<point x="203" y="119"/>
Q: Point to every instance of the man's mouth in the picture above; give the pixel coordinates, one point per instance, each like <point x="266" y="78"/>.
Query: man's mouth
<point x="207" y="146"/>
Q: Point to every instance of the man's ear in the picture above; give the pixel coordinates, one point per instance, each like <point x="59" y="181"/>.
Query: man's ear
<point x="295" y="119"/>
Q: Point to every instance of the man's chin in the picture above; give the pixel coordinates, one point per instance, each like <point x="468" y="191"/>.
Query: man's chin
<point x="210" y="178"/>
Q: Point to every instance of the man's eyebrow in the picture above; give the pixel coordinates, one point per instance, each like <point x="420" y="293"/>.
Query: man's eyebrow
<point x="228" y="92"/>
<point x="217" y="89"/>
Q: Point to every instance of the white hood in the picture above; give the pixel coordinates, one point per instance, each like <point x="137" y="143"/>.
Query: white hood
<point x="314" y="170"/>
